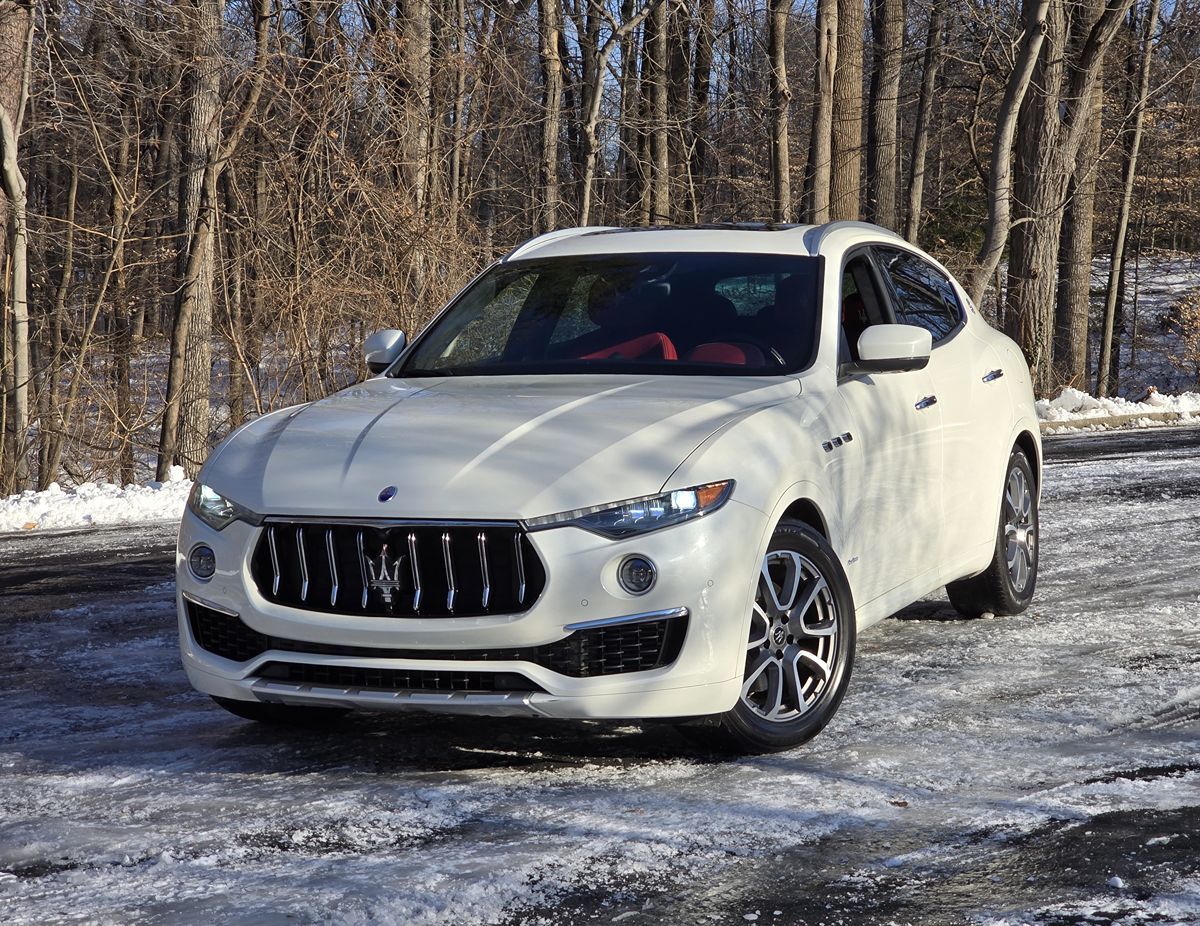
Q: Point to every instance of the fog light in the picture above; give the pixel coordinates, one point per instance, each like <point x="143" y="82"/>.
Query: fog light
<point x="203" y="562"/>
<point x="636" y="575"/>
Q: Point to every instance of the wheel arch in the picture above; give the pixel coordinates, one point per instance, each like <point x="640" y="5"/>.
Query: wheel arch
<point x="806" y="511"/>
<point x="1027" y="443"/>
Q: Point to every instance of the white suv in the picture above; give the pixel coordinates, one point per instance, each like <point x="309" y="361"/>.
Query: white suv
<point x="626" y="473"/>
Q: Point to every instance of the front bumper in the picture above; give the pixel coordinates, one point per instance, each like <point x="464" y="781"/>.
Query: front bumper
<point x="707" y="566"/>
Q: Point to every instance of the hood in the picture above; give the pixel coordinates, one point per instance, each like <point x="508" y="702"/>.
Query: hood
<point x="479" y="447"/>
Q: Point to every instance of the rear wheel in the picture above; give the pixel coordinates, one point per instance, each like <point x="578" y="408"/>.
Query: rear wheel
<point x="1007" y="585"/>
<point x="283" y="714"/>
<point x="799" y="650"/>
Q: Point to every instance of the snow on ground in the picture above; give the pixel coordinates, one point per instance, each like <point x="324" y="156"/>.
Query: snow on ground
<point x="95" y="504"/>
<point x="125" y="796"/>
<point x="1074" y="405"/>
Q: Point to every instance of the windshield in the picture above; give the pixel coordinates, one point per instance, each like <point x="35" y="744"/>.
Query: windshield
<point x="698" y="313"/>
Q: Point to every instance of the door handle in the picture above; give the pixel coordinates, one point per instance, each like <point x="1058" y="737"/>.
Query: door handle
<point x="992" y="376"/>
<point x="926" y="402"/>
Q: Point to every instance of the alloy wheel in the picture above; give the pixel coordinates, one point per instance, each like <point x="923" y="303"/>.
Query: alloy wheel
<point x="1020" y="531"/>
<point x="792" y="652"/>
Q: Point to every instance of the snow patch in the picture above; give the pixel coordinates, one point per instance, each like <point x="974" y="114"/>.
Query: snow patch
<point x="1075" y="405"/>
<point x="96" y="504"/>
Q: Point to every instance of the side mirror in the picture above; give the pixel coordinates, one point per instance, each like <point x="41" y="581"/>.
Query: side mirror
<point x="382" y="348"/>
<point x="891" y="349"/>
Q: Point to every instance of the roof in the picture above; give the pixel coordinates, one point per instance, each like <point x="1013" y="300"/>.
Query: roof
<point x="748" y="237"/>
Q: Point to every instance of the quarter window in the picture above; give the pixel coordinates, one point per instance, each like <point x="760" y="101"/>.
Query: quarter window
<point x="923" y="295"/>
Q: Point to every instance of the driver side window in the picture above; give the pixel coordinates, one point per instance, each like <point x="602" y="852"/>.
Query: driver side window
<point x="861" y="305"/>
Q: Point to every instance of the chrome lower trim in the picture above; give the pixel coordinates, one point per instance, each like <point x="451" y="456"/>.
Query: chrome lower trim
<point x="208" y="604"/>
<point x="502" y="703"/>
<point x="642" y="618"/>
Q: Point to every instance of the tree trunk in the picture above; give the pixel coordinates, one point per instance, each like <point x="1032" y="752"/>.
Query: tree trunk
<point x="999" y="187"/>
<point x="1052" y="129"/>
<point x="845" y="182"/>
<point x="920" y="146"/>
<point x="820" y="156"/>
<point x="781" y="98"/>
<point x="186" y="418"/>
<point x="656" y="66"/>
<point x="1075" y="270"/>
<point x="701" y="87"/>
<point x="1041" y="175"/>
<point x="549" y="29"/>
<point x="1108" y="374"/>
<point x="883" y="146"/>
<point x="16" y="41"/>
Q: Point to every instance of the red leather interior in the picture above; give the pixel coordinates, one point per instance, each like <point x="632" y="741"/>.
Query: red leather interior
<point x="653" y="345"/>
<point x="722" y="352"/>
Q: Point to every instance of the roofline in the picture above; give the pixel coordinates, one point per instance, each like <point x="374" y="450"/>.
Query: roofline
<point x="813" y="235"/>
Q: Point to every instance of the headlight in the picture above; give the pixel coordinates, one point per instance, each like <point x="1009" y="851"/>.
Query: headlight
<point x="217" y="511"/>
<point x="641" y="515"/>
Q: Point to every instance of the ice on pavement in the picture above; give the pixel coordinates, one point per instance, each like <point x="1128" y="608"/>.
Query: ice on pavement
<point x="96" y="504"/>
<point x="125" y="796"/>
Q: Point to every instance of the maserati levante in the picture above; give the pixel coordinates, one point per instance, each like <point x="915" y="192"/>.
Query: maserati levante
<point x="664" y="473"/>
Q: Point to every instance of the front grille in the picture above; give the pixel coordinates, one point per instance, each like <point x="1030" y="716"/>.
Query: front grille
<point x="303" y="673"/>
<point x="418" y="569"/>
<point x="584" y="654"/>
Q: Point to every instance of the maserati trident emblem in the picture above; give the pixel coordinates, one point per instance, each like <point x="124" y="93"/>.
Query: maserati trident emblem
<point x="387" y="493"/>
<point x="780" y="636"/>
<point x="385" y="574"/>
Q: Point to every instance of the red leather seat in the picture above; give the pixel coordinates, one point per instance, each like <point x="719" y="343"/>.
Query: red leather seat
<point x="637" y="348"/>
<point x="724" y="352"/>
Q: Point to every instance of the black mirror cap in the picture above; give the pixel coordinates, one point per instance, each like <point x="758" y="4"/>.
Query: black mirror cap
<point x="891" y="365"/>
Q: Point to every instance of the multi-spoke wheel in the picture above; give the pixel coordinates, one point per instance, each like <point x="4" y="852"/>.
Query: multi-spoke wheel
<point x="800" y="645"/>
<point x="1006" y="586"/>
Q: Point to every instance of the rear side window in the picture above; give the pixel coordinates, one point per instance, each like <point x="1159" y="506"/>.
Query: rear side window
<point x="923" y="295"/>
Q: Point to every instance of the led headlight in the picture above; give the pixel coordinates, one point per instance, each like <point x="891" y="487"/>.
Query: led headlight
<point x="641" y="515"/>
<point x="217" y="511"/>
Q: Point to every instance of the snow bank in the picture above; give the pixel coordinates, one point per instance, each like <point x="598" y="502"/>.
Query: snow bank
<point x="96" y="504"/>
<point x="1073" y="405"/>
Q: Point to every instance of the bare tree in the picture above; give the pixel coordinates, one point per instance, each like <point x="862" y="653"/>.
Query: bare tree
<point x="999" y="185"/>
<point x="920" y="143"/>
<point x="549" y="34"/>
<point x="846" y="177"/>
<point x="186" y="419"/>
<point x="883" y="146"/>
<point x="781" y="98"/>
<point x="16" y="41"/>
<point x="1108" y="371"/>
<point x="820" y="158"/>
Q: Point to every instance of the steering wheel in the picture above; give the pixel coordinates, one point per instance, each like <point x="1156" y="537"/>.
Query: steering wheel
<point x="766" y="349"/>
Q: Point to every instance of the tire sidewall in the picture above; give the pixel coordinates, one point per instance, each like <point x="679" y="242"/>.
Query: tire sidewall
<point x="1018" y="602"/>
<point x="751" y="730"/>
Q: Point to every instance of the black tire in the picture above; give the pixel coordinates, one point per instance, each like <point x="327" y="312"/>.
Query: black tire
<point x="807" y="573"/>
<point x="997" y="590"/>
<point x="289" y="715"/>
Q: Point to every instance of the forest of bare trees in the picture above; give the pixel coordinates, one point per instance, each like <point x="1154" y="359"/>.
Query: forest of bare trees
<point x="207" y="203"/>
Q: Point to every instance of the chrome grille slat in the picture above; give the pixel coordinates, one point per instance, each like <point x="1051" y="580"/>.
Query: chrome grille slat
<point x="274" y="560"/>
<point x="483" y="568"/>
<point x="519" y="559"/>
<point x="416" y="571"/>
<point x="333" y="576"/>
<point x="448" y="560"/>
<point x="453" y="569"/>
<point x="303" y="564"/>
<point x="362" y="568"/>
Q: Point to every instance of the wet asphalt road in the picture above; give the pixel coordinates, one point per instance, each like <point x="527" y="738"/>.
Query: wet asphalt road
<point x="955" y="872"/>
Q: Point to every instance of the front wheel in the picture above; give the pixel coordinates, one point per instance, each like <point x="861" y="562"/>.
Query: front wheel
<point x="1007" y="585"/>
<point x="799" y="650"/>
